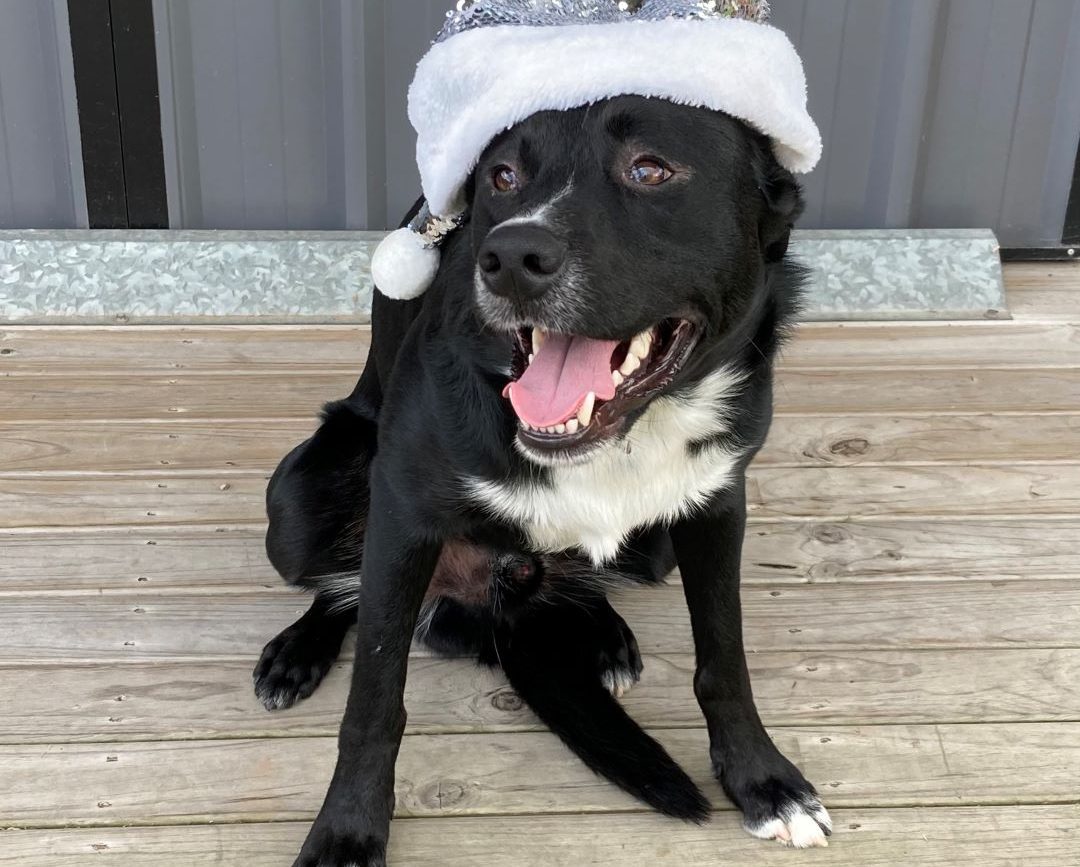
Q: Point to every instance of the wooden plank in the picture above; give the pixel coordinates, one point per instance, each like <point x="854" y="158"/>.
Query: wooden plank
<point x="166" y="701"/>
<point x="176" y="350"/>
<point x="1015" y="836"/>
<point x="1044" y="305"/>
<point x="921" y="344"/>
<point x="192" y="447"/>
<point x="822" y="551"/>
<point x="199" y="396"/>
<point x="50" y="501"/>
<point x="821" y="617"/>
<point x="1044" y="291"/>
<point x="928" y="490"/>
<point x="772" y="493"/>
<point x="521" y="773"/>
<point x="192" y="349"/>
<point x="299" y="396"/>
<point x="861" y="440"/>
<point x="114" y="447"/>
<point x="1059" y="276"/>
<point x="976" y="390"/>
<point x="143" y="559"/>
<point x="854" y="616"/>
<point x="232" y="558"/>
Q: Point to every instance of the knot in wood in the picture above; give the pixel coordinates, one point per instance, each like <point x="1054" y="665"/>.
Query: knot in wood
<point x="830" y="534"/>
<point x="850" y="448"/>
<point x="444" y="794"/>
<point x="507" y="700"/>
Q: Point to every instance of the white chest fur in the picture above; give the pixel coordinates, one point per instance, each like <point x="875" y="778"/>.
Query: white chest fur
<point x="650" y="476"/>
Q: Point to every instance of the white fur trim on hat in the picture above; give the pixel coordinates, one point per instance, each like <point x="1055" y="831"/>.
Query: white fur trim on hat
<point x="481" y="82"/>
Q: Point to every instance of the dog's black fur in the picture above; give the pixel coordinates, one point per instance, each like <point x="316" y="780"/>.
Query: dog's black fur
<point x="373" y="514"/>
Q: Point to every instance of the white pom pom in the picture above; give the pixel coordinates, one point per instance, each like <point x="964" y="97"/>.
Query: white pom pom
<point x="403" y="266"/>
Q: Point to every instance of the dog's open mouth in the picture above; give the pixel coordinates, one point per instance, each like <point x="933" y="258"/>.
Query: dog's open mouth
<point x="571" y="391"/>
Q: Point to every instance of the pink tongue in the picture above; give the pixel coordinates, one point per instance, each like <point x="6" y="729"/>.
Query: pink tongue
<point x="560" y="377"/>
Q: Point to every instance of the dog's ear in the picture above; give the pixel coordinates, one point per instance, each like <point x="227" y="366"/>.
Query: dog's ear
<point x="783" y="201"/>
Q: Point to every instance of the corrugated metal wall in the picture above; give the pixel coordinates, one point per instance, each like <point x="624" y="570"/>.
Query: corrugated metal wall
<point x="41" y="181"/>
<point x="291" y="113"/>
<point x="282" y="114"/>
<point x="935" y="113"/>
<point x="942" y="113"/>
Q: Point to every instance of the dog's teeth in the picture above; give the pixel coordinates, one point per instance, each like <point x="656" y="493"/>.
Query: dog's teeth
<point x="538" y="337"/>
<point x="641" y="345"/>
<point x="617" y="378"/>
<point x="560" y="428"/>
<point x="572" y="426"/>
<point x="631" y="364"/>
<point x="531" y="357"/>
<point x="584" y="415"/>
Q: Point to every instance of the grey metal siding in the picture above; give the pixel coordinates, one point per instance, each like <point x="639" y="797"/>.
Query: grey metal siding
<point x="1002" y="139"/>
<point x="935" y="113"/>
<point x="285" y="114"/>
<point x="942" y="113"/>
<point x="40" y="156"/>
<point x="249" y="90"/>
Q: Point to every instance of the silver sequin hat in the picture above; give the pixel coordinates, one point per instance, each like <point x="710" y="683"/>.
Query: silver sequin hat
<point x="472" y="14"/>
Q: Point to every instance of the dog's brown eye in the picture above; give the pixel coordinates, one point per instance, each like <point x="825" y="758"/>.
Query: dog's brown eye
<point x="649" y="172"/>
<point x="505" y="179"/>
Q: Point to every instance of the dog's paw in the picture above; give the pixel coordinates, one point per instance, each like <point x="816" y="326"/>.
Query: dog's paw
<point x="779" y="804"/>
<point x="325" y="848"/>
<point x="291" y="667"/>
<point x="619" y="680"/>
<point x="801" y="822"/>
<point x="620" y="662"/>
<point x="775" y="800"/>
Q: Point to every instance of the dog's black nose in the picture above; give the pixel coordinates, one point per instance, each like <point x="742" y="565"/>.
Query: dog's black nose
<point x="521" y="260"/>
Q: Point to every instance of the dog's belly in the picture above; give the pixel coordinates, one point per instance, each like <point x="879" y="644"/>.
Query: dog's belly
<point x="653" y="476"/>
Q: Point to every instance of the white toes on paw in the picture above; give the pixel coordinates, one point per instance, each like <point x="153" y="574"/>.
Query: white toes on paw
<point x="618" y="681"/>
<point x="800" y="826"/>
<point x="805" y="832"/>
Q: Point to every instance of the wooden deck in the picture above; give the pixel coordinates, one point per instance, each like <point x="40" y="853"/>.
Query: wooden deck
<point x="912" y="607"/>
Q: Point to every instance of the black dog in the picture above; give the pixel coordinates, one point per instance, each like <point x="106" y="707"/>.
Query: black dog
<point x="573" y="404"/>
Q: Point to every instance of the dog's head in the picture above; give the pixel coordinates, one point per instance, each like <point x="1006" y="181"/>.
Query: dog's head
<point x="621" y="244"/>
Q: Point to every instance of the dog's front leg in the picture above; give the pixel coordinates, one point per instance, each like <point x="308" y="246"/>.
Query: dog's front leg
<point x="776" y="800"/>
<point x="353" y="826"/>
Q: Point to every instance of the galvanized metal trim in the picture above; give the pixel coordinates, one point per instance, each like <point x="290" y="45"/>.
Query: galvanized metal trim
<point x="108" y="277"/>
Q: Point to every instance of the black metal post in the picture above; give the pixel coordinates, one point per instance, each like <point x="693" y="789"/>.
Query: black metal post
<point x="116" y="85"/>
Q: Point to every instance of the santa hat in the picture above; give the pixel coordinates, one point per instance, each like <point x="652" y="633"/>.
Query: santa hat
<point x="496" y="62"/>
